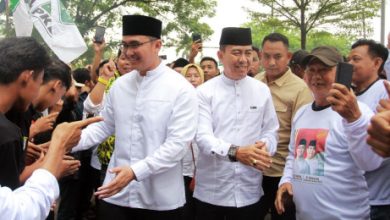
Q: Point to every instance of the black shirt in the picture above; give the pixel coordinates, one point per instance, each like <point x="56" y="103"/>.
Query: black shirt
<point x="11" y="153"/>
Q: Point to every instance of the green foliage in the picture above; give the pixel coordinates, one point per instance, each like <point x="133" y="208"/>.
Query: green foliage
<point x="180" y="19"/>
<point x="351" y="17"/>
<point x="314" y="38"/>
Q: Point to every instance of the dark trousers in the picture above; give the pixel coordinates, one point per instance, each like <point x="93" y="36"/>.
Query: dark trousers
<point x="76" y="191"/>
<point x="108" y="211"/>
<point x="267" y="201"/>
<point x="380" y="212"/>
<point x="206" y="211"/>
<point x="189" y="207"/>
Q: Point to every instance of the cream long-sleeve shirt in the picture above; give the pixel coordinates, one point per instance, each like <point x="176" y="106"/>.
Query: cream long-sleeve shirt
<point x="154" y="119"/>
<point x="232" y="112"/>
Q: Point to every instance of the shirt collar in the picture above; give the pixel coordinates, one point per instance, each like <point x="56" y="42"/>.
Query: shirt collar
<point x="281" y="80"/>
<point x="151" y="73"/>
<point x="229" y="81"/>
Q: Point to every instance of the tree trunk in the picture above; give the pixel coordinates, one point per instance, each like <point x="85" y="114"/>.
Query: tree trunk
<point x="303" y="26"/>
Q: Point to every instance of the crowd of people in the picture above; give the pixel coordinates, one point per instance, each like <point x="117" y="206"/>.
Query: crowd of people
<point x="273" y="134"/>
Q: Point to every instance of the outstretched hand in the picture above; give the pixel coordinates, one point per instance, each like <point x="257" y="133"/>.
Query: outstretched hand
<point x="124" y="175"/>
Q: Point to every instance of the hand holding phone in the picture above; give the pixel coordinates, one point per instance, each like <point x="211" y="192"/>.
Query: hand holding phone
<point x="99" y="34"/>
<point x="344" y="74"/>
<point x="197" y="38"/>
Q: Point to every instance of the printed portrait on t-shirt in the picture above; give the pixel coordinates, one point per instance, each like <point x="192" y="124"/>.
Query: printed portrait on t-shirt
<point x="309" y="153"/>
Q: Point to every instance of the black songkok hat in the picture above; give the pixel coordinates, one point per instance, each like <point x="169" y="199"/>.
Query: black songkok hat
<point x="141" y="25"/>
<point x="236" y="36"/>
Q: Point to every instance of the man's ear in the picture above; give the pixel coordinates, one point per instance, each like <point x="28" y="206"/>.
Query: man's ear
<point x="24" y="77"/>
<point x="56" y="85"/>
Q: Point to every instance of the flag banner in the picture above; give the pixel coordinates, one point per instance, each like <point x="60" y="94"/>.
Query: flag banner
<point x="54" y="24"/>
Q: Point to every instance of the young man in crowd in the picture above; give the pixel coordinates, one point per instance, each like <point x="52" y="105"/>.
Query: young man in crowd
<point x="21" y="75"/>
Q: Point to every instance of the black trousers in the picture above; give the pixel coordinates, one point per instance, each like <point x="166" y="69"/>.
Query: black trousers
<point x="206" y="211"/>
<point x="189" y="208"/>
<point x="108" y="211"/>
<point x="267" y="201"/>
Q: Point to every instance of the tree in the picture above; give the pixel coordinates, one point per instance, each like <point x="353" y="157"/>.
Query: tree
<point x="180" y="18"/>
<point x="315" y="38"/>
<point x="306" y="15"/>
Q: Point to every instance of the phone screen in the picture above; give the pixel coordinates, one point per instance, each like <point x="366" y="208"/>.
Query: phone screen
<point x="99" y="34"/>
<point x="344" y="74"/>
<point x="196" y="37"/>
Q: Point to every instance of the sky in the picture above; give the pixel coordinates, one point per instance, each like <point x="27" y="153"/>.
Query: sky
<point x="230" y="13"/>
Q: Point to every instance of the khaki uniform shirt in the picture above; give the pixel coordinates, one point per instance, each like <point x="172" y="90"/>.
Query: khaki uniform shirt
<point x="289" y="93"/>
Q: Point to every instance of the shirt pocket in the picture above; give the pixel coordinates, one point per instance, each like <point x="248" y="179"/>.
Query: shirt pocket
<point x="280" y="108"/>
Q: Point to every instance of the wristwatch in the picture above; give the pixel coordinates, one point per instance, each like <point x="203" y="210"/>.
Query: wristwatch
<point x="232" y="153"/>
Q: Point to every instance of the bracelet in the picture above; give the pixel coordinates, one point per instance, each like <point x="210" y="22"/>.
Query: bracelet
<point x="103" y="81"/>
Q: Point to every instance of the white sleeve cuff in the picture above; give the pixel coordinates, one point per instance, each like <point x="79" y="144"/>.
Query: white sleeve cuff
<point x="141" y="170"/>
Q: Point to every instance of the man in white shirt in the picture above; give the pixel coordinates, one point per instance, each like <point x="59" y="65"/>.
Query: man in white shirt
<point x="367" y="58"/>
<point x="236" y="134"/>
<point x="338" y="123"/>
<point x="387" y="64"/>
<point x="153" y="113"/>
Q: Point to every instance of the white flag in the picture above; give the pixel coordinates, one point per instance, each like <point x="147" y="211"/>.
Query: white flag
<point x="54" y="24"/>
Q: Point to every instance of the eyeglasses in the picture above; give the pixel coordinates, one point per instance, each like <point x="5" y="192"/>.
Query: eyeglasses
<point x="132" y="45"/>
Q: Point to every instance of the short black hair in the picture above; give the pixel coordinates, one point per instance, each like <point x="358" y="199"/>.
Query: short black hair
<point x="375" y="49"/>
<point x="101" y="64"/>
<point x="18" y="54"/>
<point x="255" y="49"/>
<point x="275" y="37"/>
<point x="209" y="59"/>
<point x="81" y="75"/>
<point x="58" y="70"/>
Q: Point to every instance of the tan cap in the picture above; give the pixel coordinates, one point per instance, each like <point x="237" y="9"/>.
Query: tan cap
<point x="330" y="56"/>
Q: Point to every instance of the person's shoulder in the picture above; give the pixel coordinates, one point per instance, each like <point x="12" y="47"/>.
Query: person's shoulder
<point x="8" y="130"/>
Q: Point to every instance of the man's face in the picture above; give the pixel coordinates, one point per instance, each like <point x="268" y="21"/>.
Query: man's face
<point x="209" y="68"/>
<point x="300" y="150"/>
<point x="319" y="78"/>
<point x="365" y="67"/>
<point x="275" y="58"/>
<point x="255" y="67"/>
<point x="310" y="152"/>
<point x="236" y="60"/>
<point x="28" y="92"/>
<point x="123" y="64"/>
<point x="141" y="58"/>
<point x="49" y="94"/>
<point x="193" y="76"/>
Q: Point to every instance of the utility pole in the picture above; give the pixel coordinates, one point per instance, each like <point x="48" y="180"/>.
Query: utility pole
<point x="383" y="16"/>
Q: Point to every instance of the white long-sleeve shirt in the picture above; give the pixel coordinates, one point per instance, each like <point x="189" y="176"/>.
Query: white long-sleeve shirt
<point x="339" y="190"/>
<point x="154" y="119"/>
<point x="32" y="200"/>
<point x="378" y="180"/>
<point x="232" y="112"/>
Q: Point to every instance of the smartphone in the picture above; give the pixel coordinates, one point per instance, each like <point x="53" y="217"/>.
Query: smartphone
<point x="287" y="200"/>
<point x="344" y="74"/>
<point x="196" y="37"/>
<point x="99" y="34"/>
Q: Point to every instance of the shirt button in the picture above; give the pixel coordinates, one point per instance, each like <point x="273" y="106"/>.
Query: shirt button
<point x="221" y="152"/>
